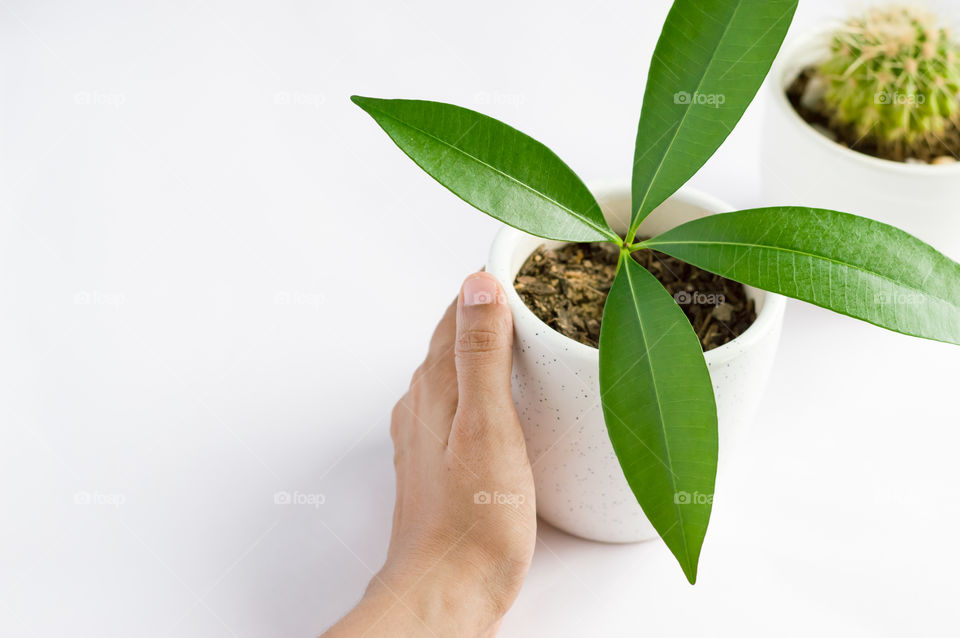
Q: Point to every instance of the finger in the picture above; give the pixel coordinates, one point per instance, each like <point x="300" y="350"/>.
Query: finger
<point x="437" y="375"/>
<point x="441" y="343"/>
<point x="431" y="400"/>
<point x="483" y="351"/>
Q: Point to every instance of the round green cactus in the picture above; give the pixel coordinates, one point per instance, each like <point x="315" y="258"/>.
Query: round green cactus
<point x="893" y="76"/>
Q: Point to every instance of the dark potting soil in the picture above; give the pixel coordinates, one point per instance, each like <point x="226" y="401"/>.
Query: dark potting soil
<point x="943" y="147"/>
<point x="566" y="288"/>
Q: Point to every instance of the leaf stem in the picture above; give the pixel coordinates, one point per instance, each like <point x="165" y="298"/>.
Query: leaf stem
<point x="624" y="254"/>
<point x="634" y="227"/>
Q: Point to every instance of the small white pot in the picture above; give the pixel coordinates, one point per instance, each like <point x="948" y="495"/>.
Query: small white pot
<point x="801" y="166"/>
<point x="580" y="486"/>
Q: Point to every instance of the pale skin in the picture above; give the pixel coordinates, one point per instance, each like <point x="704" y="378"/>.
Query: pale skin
<point x="464" y="523"/>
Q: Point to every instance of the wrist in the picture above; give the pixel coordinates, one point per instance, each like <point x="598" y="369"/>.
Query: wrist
<point x="446" y="598"/>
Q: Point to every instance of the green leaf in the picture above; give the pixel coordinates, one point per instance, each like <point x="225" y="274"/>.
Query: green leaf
<point x="710" y="60"/>
<point x="853" y="265"/>
<point x="659" y="409"/>
<point x="493" y="167"/>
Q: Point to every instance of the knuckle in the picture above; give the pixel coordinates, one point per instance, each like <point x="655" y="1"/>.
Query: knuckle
<point x="447" y="393"/>
<point x="480" y="342"/>
<point x="397" y="417"/>
<point x="418" y="374"/>
<point x="431" y="375"/>
<point x="440" y="346"/>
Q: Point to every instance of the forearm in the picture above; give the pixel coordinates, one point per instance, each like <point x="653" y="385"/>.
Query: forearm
<point x="430" y="606"/>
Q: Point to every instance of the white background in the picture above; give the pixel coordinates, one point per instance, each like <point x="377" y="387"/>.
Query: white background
<point x="216" y="275"/>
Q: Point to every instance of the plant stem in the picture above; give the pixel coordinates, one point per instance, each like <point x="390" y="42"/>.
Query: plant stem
<point x="632" y="231"/>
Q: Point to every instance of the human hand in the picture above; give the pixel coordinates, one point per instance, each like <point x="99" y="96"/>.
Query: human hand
<point x="464" y="524"/>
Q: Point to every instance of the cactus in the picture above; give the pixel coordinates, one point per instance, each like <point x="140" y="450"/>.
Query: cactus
<point x="893" y="79"/>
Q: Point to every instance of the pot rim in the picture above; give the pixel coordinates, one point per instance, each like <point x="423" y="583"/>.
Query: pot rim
<point x="506" y="243"/>
<point x="777" y="80"/>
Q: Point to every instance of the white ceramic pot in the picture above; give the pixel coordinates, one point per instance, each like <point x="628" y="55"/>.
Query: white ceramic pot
<point x="801" y="166"/>
<point x="580" y="486"/>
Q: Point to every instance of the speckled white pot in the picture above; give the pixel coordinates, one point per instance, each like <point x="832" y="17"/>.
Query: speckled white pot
<point x="580" y="486"/>
<point x="801" y="166"/>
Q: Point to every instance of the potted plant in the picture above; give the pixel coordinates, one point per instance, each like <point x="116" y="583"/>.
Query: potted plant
<point x="865" y="116"/>
<point x="555" y="377"/>
<point x="649" y="374"/>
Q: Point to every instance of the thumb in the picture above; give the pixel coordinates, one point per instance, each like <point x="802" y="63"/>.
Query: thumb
<point x="484" y="346"/>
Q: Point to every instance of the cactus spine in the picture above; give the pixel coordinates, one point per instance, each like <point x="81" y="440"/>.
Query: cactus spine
<point x="893" y="77"/>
